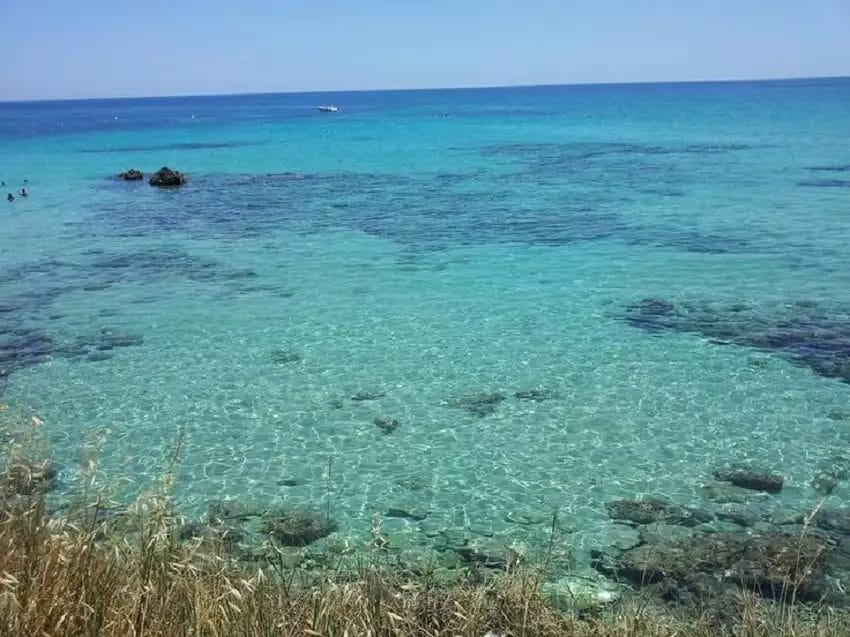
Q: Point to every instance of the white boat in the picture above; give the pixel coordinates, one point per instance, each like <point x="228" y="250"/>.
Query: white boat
<point x="328" y="108"/>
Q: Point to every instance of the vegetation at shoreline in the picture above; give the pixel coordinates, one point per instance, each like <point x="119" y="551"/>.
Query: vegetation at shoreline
<point x="89" y="570"/>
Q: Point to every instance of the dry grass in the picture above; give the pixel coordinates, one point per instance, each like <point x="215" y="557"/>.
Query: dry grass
<point x="78" y="575"/>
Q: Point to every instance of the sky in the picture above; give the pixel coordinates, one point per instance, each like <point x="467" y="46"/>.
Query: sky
<point x="120" y="48"/>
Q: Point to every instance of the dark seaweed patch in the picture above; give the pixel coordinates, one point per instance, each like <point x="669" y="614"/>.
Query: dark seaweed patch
<point x="825" y="183"/>
<point x="799" y="333"/>
<point x="831" y="169"/>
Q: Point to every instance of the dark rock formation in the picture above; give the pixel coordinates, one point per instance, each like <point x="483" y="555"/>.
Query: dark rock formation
<point x="774" y="565"/>
<point x="298" y="526"/>
<point x="132" y="175"/>
<point x="801" y="332"/>
<point x="165" y="177"/>
<point x="284" y="356"/>
<point x="363" y="396"/>
<point x="537" y="395"/>
<point x="480" y="404"/>
<point x="408" y="511"/>
<point x="386" y="424"/>
<point x="750" y="478"/>
<point x="830" y="473"/>
<point x="655" y="510"/>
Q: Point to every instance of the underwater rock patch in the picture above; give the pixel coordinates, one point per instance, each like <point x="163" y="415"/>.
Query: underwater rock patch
<point x="285" y="356"/>
<point x="748" y="477"/>
<point x="830" y="473"/>
<point x="363" y="396"/>
<point x="537" y="395"/>
<point x="298" y="526"/>
<point x="479" y="404"/>
<point x="656" y="510"/>
<point x="386" y="424"/>
<point x="801" y="333"/>
<point x="409" y="511"/>
<point x="772" y="564"/>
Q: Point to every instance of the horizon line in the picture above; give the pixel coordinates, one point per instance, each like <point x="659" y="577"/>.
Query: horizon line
<point x="471" y="87"/>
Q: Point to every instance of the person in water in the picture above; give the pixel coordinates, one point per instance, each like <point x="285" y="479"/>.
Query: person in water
<point x="24" y="192"/>
<point x="10" y="197"/>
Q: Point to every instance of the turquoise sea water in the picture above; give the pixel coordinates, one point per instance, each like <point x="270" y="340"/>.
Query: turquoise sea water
<point x="422" y="247"/>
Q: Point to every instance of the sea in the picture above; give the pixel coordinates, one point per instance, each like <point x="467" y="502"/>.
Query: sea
<point x="479" y="311"/>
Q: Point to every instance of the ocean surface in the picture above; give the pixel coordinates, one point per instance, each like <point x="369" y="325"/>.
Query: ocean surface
<point x="490" y="306"/>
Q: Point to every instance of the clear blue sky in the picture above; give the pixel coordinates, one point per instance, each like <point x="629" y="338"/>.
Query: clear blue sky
<point x="104" y="48"/>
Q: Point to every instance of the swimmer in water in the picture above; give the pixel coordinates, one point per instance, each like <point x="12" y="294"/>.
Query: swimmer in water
<point x="10" y="197"/>
<point x="24" y="192"/>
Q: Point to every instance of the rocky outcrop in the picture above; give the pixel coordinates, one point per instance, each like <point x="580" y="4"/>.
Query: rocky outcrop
<point x="772" y="564"/>
<point x="750" y="478"/>
<point x="655" y="510"/>
<point x="298" y="526"/>
<point x="132" y="175"/>
<point x="165" y="178"/>
<point x="480" y="404"/>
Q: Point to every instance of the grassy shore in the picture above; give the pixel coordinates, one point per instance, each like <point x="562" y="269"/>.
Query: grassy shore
<point x="83" y="572"/>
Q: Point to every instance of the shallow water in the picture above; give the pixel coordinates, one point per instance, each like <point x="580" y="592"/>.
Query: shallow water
<point x="421" y="247"/>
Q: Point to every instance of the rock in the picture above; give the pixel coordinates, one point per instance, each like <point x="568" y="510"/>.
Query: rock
<point x="537" y="395"/>
<point x="727" y="493"/>
<point x="772" y="564"/>
<point x="408" y="511"/>
<point x="219" y="511"/>
<point x="363" y="396"/>
<point x="480" y="404"/>
<point x="298" y="526"/>
<point x="110" y="339"/>
<point x="654" y="306"/>
<point x="656" y="510"/>
<point x="284" y="356"/>
<point x="25" y="477"/>
<point x="386" y="424"/>
<point x="830" y="473"/>
<point x="226" y="535"/>
<point x="575" y="593"/>
<point x="489" y="553"/>
<point x="165" y="177"/>
<point x="838" y="414"/>
<point x="834" y="519"/>
<point x="132" y="175"/>
<point x="750" y="478"/>
<point x="662" y="534"/>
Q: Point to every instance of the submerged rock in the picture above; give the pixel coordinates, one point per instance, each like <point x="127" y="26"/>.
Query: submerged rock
<point x="409" y="511"/>
<point x="537" y="395"/>
<point x="801" y="333"/>
<point x="774" y="565"/>
<point x="656" y="510"/>
<point x="363" y="396"/>
<point x="830" y="473"/>
<point x="298" y="526"/>
<point x="489" y="553"/>
<point x="132" y="175"/>
<point x="165" y="177"/>
<point x="284" y="356"/>
<point x="386" y="424"/>
<point x="748" y="477"/>
<point x="480" y="404"/>
<point x="575" y="594"/>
